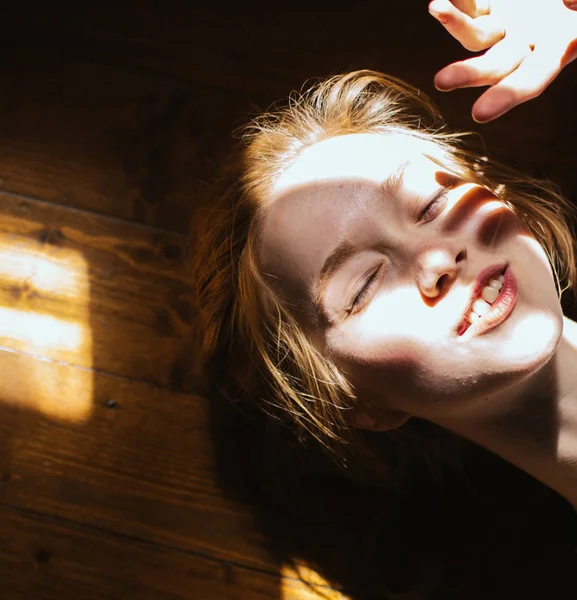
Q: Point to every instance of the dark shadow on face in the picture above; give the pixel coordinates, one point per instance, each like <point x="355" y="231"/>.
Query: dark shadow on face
<point x="310" y="222"/>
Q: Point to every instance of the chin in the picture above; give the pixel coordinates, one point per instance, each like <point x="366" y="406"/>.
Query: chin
<point x="534" y="341"/>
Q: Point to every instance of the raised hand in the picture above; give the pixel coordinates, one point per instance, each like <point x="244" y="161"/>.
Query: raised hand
<point x="527" y="43"/>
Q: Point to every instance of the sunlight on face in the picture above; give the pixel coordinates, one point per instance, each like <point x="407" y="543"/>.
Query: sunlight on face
<point x="355" y="156"/>
<point x="27" y="329"/>
<point x="389" y="243"/>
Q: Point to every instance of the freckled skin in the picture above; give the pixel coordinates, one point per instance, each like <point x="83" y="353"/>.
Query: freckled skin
<point x="402" y="346"/>
<point x="513" y="389"/>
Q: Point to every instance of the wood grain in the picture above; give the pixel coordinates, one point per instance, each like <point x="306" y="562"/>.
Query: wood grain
<point x="140" y="465"/>
<point x="118" y="296"/>
<point x="140" y="473"/>
<point x="124" y="144"/>
<point x="114" y="117"/>
<point x="93" y="431"/>
<point x="42" y="558"/>
<point x="129" y="116"/>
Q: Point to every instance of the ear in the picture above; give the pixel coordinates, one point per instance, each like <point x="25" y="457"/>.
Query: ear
<point x="379" y="419"/>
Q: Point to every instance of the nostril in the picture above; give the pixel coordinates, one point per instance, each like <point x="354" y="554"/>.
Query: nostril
<point x="442" y="282"/>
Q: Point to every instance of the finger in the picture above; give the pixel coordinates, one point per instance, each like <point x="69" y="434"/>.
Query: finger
<point x="572" y="4"/>
<point x="498" y="62"/>
<point x="469" y="7"/>
<point x="532" y="77"/>
<point x="474" y="8"/>
<point x="474" y="34"/>
<point x="570" y="54"/>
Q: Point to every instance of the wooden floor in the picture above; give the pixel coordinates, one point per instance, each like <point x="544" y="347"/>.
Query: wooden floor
<point x="113" y="117"/>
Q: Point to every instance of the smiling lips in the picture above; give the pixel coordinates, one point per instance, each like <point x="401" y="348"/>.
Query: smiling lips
<point x="493" y="298"/>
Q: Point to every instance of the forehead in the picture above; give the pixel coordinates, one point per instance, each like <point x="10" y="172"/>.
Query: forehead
<point x="359" y="155"/>
<point x="328" y="192"/>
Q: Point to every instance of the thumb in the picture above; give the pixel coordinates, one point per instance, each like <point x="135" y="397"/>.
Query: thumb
<point x="571" y="4"/>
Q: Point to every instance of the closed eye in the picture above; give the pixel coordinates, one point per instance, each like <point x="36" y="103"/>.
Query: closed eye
<point x="435" y="205"/>
<point x="363" y="293"/>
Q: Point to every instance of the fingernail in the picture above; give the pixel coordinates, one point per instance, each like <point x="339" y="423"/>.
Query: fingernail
<point x="572" y="4"/>
<point x="483" y="118"/>
<point x="443" y="88"/>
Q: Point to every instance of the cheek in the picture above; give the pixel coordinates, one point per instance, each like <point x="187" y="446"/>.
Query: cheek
<point x="394" y="348"/>
<point x="407" y="375"/>
<point x="396" y="324"/>
<point x="382" y="359"/>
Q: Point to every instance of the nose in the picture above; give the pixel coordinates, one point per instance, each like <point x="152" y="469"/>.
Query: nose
<point x="436" y="268"/>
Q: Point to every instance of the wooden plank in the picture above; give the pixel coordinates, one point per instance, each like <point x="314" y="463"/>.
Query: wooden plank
<point x="125" y="456"/>
<point x="272" y="51"/>
<point x="124" y="144"/>
<point x="129" y="116"/>
<point x="43" y="559"/>
<point x="242" y="47"/>
<point x="122" y="455"/>
<point x="140" y="465"/>
<point x="95" y="292"/>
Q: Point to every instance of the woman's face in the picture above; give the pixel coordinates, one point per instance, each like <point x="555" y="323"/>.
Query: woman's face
<point x="381" y="278"/>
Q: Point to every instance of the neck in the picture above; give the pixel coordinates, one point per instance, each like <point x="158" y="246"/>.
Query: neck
<point x="538" y="431"/>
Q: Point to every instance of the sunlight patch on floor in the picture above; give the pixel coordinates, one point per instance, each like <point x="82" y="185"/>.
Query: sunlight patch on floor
<point x="40" y="331"/>
<point x="44" y="326"/>
<point x="294" y="585"/>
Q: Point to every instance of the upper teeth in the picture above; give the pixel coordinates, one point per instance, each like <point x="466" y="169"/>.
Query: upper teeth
<point x="488" y="295"/>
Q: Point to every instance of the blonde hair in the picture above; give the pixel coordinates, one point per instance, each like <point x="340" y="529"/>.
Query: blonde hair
<point x="252" y="346"/>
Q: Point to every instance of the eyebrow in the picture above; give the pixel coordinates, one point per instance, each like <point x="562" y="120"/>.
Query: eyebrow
<point x="344" y="250"/>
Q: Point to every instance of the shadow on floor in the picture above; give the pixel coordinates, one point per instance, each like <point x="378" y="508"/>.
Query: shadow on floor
<point x="497" y="534"/>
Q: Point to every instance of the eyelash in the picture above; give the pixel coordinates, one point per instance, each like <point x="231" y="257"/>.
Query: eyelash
<point x="441" y="195"/>
<point x="364" y="291"/>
